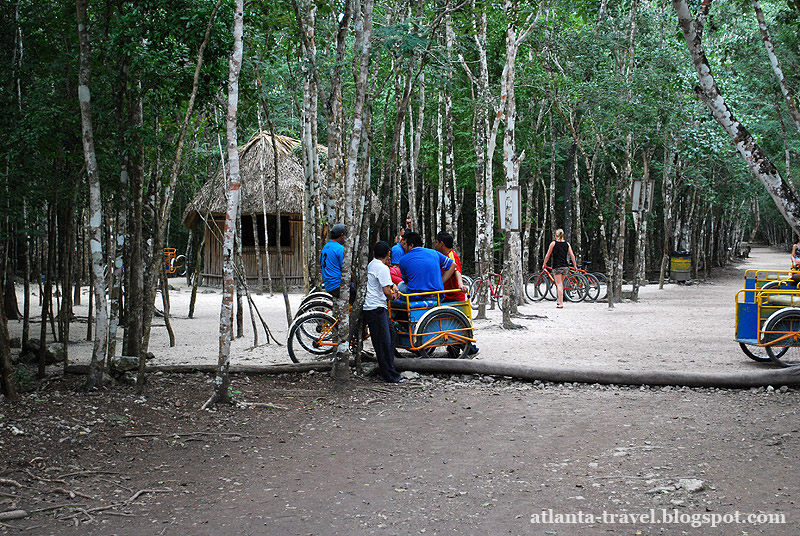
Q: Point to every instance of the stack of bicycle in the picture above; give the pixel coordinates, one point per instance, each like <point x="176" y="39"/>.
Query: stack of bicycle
<point x="579" y="285"/>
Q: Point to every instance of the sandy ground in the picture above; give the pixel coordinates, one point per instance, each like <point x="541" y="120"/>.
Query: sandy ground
<point x="677" y="328"/>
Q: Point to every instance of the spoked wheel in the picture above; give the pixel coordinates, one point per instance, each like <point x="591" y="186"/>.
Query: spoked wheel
<point x="592" y="287"/>
<point x="311" y="338"/>
<point x="575" y="287"/>
<point x="475" y="290"/>
<point x="317" y="295"/>
<point x="444" y="329"/>
<point x="756" y="353"/>
<point x="320" y="304"/>
<point x="603" y="281"/>
<point x="467" y="280"/>
<point x="782" y="330"/>
<point x="536" y="286"/>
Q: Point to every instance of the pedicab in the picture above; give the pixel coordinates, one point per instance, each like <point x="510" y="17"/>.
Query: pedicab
<point x="426" y="324"/>
<point x="768" y="317"/>
<point x="430" y="326"/>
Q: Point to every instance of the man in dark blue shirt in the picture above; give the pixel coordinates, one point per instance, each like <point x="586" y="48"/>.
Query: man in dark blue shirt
<point x="423" y="269"/>
<point x="331" y="258"/>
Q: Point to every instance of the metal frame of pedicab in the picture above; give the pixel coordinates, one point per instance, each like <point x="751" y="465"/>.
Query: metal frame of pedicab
<point x="755" y="306"/>
<point x="410" y="312"/>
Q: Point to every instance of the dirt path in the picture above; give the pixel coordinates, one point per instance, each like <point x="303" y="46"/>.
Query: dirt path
<point x="474" y="456"/>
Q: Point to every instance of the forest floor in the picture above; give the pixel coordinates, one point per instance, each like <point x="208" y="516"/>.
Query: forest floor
<point x="438" y="455"/>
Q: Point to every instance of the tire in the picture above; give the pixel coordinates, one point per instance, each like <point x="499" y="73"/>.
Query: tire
<point x="314" y="305"/>
<point x="467" y="280"/>
<point x="592" y="288"/>
<point x="444" y="319"/>
<point x="178" y="266"/>
<point x="756" y="353"/>
<point x="305" y="335"/>
<point x="536" y="286"/>
<point x="317" y="295"/>
<point x="786" y="353"/>
<point x="575" y="288"/>
<point x="474" y="291"/>
<point x="603" y="280"/>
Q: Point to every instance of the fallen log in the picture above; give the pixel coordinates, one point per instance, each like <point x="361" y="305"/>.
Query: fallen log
<point x="760" y="378"/>
<point x="742" y="379"/>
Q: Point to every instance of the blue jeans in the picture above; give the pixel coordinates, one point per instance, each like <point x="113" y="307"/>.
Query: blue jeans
<point x="383" y="340"/>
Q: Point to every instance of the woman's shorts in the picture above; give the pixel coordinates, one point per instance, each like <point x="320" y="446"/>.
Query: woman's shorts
<point x="564" y="270"/>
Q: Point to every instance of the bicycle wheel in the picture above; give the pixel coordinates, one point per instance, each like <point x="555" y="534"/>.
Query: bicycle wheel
<point x="592" y="288"/>
<point x="467" y="280"/>
<point x="783" y="327"/>
<point x="179" y="265"/>
<point x="445" y="329"/>
<point x="317" y="295"/>
<point x="323" y="305"/>
<point x="756" y="353"/>
<point x="575" y="288"/>
<point x="536" y="286"/>
<point x="311" y="338"/>
<point x="475" y="290"/>
<point x="603" y="280"/>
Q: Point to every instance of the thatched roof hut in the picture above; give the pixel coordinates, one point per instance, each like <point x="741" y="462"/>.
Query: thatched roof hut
<point x="257" y="170"/>
<point x="259" y="211"/>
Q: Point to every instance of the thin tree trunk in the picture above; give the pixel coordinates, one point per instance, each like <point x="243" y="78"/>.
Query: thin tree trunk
<point x="776" y="68"/>
<point x="222" y="380"/>
<point x="97" y="367"/>
<point x="756" y="159"/>
<point x="8" y="384"/>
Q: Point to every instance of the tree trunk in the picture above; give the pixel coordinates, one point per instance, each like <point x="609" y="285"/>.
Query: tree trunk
<point x="776" y="68"/>
<point x="222" y="380"/>
<point x="8" y="384"/>
<point x="97" y="367"/>
<point x="306" y="19"/>
<point x="754" y="156"/>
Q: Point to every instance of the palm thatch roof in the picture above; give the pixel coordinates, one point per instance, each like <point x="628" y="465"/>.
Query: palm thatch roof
<point x="257" y="176"/>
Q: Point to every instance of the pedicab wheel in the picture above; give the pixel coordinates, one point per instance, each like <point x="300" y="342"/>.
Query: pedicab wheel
<point x="321" y="304"/>
<point x="446" y="325"/>
<point x="756" y="353"/>
<point x="317" y="295"/>
<point x="783" y="327"/>
<point x="311" y="338"/>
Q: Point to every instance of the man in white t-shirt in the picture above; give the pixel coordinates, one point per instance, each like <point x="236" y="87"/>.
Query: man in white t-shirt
<point x="376" y="315"/>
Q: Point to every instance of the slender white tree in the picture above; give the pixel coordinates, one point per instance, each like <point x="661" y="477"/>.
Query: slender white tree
<point x="222" y="380"/>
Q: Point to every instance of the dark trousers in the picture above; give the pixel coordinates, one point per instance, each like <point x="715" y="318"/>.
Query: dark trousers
<point x="383" y="340"/>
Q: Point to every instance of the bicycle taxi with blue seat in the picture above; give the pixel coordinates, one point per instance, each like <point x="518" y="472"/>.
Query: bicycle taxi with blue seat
<point x="768" y="317"/>
<point x="430" y="326"/>
<point x="426" y="324"/>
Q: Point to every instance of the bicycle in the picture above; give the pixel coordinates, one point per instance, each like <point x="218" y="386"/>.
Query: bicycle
<point x="543" y="285"/>
<point x="592" y="283"/>
<point x="602" y="280"/>
<point x="494" y="282"/>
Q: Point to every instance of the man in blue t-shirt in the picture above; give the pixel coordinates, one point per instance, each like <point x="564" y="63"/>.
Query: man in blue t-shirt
<point x="423" y="269"/>
<point x="331" y="258"/>
<point x="397" y="249"/>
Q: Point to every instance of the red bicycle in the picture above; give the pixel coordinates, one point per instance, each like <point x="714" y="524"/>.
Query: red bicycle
<point x="494" y="287"/>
